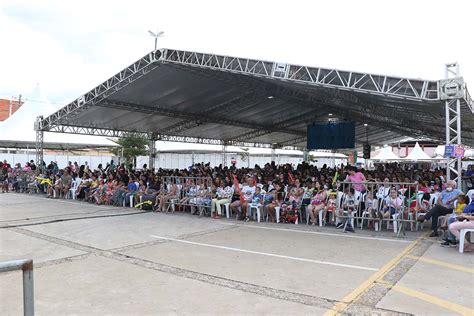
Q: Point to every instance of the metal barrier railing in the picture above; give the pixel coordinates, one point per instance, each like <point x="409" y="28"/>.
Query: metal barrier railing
<point x="188" y="192"/>
<point x="408" y="190"/>
<point x="26" y="266"/>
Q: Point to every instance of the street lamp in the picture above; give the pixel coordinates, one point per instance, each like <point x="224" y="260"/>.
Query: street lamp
<point x="156" y="35"/>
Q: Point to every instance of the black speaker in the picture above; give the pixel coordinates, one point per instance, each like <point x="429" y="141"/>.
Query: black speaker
<point x="366" y="151"/>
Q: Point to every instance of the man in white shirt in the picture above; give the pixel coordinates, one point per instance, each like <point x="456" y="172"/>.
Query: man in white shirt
<point x="247" y="192"/>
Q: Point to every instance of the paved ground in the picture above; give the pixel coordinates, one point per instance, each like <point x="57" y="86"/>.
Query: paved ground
<point x="93" y="260"/>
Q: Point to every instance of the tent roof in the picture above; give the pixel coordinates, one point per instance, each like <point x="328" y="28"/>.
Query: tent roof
<point x="417" y="154"/>
<point x="386" y="153"/>
<point x="175" y="95"/>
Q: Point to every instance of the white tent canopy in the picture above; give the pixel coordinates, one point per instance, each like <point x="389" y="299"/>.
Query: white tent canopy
<point x="386" y="153"/>
<point x="417" y="154"/>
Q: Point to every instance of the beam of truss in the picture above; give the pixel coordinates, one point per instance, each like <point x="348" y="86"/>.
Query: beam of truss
<point x="125" y="77"/>
<point x="405" y="88"/>
<point x="262" y="77"/>
<point x="364" y="113"/>
<point x="80" y="130"/>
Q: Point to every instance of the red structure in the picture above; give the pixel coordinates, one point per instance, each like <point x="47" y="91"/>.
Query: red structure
<point x="5" y="108"/>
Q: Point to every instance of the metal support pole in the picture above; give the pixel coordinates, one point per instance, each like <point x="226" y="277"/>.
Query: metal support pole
<point x="39" y="143"/>
<point x="28" y="290"/>
<point x="459" y="159"/>
<point x="452" y="90"/>
<point x="448" y="138"/>
<point x="224" y="155"/>
<point x="152" y="151"/>
<point x="28" y="286"/>
<point x="306" y="155"/>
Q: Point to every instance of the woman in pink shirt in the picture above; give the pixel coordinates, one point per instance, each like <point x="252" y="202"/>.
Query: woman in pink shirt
<point x="27" y="167"/>
<point x="356" y="176"/>
<point x="423" y="187"/>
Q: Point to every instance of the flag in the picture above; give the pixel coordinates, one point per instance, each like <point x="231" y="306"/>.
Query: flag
<point x="291" y="178"/>
<point x="44" y="180"/>
<point x="143" y="203"/>
<point x="334" y="180"/>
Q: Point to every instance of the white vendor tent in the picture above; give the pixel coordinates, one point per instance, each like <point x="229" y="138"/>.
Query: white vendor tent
<point x="417" y="154"/>
<point x="385" y="154"/>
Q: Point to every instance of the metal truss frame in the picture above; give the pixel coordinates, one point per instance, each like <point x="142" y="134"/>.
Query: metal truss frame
<point x="81" y="130"/>
<point x="341" y="84"/>
<point x="404" y="88"/>
<point x="39" y="143"/>
<point x="453" y="125"/>
<point x="347" y="105"/>
<point x="152" y="150"/>
<point x="125" y="77"/>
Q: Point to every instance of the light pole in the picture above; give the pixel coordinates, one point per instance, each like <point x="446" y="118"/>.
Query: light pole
<point x="156" y="35"/>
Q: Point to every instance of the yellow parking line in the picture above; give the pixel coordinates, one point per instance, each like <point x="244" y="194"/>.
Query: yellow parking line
<point x="442" y="264"/>
<point x="434" y="300"/>
<point x="358" y="291"/>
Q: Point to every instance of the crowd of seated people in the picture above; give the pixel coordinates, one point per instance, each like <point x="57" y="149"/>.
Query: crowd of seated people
<point x="282" y="193"/>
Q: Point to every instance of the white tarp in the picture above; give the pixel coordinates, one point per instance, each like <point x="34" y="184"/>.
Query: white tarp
<point x="417" y="154"/>
<point x="386" y="153"/>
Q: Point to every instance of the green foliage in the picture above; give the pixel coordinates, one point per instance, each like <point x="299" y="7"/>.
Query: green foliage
<point x="133" y="145"/>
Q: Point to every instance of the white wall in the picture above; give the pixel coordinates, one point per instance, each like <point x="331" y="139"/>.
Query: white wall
<point x="184" y="160"/>
<point x="62" y="160"/>
<point x="170" y="160"/>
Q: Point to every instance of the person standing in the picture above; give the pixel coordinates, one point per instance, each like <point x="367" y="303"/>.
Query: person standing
<point x="356" y="177"/>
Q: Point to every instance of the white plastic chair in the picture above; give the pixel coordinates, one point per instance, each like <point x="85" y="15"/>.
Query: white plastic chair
<point x="278" y="208"/>
<point x="172" y="204"/>
<point x="462" y="236"/>
<point x="395" y="217"/>
<point x="277" y="213"/>
<point x="350" y="216"/>
<point x="228" y="211"/>
<point x="307" y="213"/>
<point x="433" y="201"/>
<point x="320" y="217"/>
<point x="257" y="212"/>
<point x="73" y="189"/>
<point x="340" y="195"/>
<point x="366" y="213"/>
<point x="470" y="194"/>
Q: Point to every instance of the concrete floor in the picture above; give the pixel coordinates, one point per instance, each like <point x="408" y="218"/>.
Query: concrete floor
<point x="95" y="260"/>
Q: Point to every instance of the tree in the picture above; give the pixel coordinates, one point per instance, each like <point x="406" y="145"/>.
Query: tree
<point x="131" y="146"/>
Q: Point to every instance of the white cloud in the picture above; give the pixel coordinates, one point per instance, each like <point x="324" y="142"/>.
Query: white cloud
<point x="69" y="49"/>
